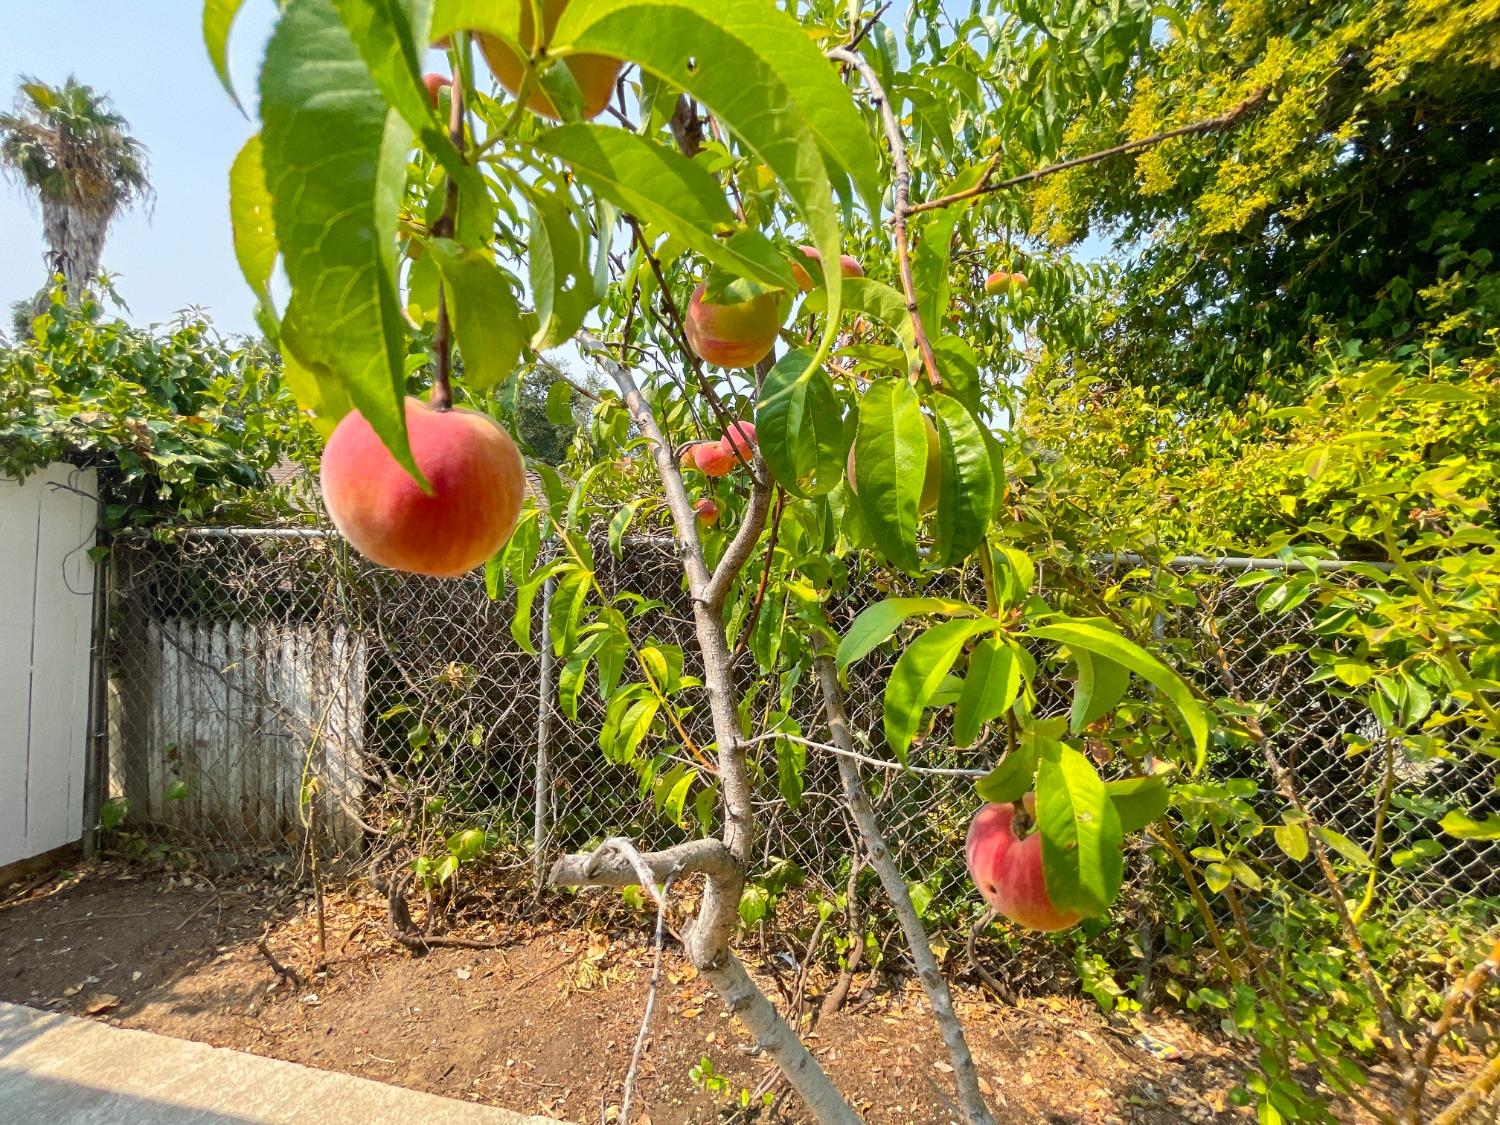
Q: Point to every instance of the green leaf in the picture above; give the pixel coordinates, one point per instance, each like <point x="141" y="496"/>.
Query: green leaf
<point x="1100" y="687"/>
<point x="176" y="790"/>
<point x="1460" y="824"/>
<point x="990" y="688"/>
<point x="334" y="156"/>
<point x="660" y="186"/>
<point x="878" y="302"/>
<point x="1097" y="640"/>
<point x="561" y="282"/>
<point x="1012" y="779"/>
<point x="919" y="672"/>
<point x="761" y="56"/>
<point x="966" y="496"/>
<point x="1291" y="839"/>
<point x="921" y="898"/>
<point x="255" y="246"/>
<point x="1344" y="846"/>
<point x="466" y="845"/>
<point x="619" y="525"/>
<point x="559" y="408"/>
<point x="218" y="20"/>
<point x="875" y="624"/>
<point x="890" y="453"/>
<point x="1138" y="801"/>
<point x="799" y="425"/>
<point x="486" y="318"/>
<point x="754" y="904"/>
<point x="791" y="761"/>
<point x="113" y="813"/>
<point x="391" y="36"/>
<point x="1081" y="837"/>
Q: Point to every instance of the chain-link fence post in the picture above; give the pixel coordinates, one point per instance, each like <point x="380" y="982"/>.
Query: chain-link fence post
<point x="539" y="825"/>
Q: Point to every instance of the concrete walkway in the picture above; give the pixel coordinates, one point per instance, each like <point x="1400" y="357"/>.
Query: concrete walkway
<point x="61" y="1070"/>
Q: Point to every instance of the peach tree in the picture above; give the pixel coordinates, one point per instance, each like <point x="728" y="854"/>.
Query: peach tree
<point x="655" y="187"/>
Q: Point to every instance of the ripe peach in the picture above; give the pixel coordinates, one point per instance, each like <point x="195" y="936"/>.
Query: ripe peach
<point x="931" y="482"/>
<point x="848" y="266"/>
<point x="741" y="438"/>
<point x="435" y="84"/>
<point x="1007" y="869"/>
<point x="714" y="458"/>
<point x="708" y="511"/>
<point x="595" y="74"/>
<point x="740" y="334"/>
<point x="1001" y="282"/>
<point x="477" y="480"/>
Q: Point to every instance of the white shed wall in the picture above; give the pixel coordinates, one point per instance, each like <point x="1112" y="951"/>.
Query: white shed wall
<point x="47" y="526"/>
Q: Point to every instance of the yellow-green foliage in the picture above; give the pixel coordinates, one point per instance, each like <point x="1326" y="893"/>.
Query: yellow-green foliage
<point x="1409" y="446"/>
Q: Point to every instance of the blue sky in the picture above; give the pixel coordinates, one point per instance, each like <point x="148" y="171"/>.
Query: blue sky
<point x="148" y="56"/>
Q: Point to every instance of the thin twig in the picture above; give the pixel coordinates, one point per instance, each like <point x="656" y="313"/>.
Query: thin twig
<point x="1460" y="996"/>
<point x="1208" y="125"/>
<point x="765" y="576"/>
<point x="855" y="755"/>
<point x="901" y="192"/>
<point x="645" y="1031"/>
<point x="441" y="397"/>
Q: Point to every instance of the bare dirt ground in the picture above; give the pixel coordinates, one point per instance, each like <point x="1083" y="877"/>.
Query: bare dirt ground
<point x="546" y="1023"/>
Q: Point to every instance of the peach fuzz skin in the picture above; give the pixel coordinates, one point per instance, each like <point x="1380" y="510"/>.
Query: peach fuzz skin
<point x="735" y="335"/>
<point x="594" y="74"/>
<point x="1008" y="871"/>
<point x="848" y="266"/>
<point x="477" y="479"/>
<point x="714" y="458"/>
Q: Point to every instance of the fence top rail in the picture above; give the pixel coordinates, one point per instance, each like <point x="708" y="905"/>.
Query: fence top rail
<point x="1129" y="558"/>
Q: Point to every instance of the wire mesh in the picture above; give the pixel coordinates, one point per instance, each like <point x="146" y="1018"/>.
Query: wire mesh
<point x="270" y="687"/>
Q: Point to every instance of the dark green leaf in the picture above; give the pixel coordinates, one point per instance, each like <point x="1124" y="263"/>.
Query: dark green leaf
<point x="990" y="688"/>
<point x="919" y="672"/>
<point x="890" y="453"/>
<point x="1100" y="687"/>
<point x="1081" y="837"/>
<point x="966" y="496"/>
<point x="800" y="426"/>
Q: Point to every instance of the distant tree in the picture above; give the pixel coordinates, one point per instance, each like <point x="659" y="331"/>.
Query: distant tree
<point x="68" y="146"/>
<point x="545" y="419"/>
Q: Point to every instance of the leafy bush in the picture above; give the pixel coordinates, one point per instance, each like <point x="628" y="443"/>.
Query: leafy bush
<point x="184" y="422"/>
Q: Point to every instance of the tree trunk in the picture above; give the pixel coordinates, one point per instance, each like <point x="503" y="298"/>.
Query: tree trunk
<point x="75" y="245"/>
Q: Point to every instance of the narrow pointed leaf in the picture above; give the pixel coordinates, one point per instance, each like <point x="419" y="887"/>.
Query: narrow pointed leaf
<point x="966" y="496"/>
<point x="1081" y="837"/>
<point x="335" y="163"/>
<point x="660" y="186"/>
<point x="250" y="218"/>
<point x="486" y="318"/>
<point x="890" y="453"/>
<point x="1103" y="642"/>
<point x="878" y="622"/>
<point x="218" y="21"/>
<point x="990" y="688"/>
<point x="919" y="673"/>
<point x="1138" y="801"/>
<point x="799" y="424"/>
<point x="1100" y="687"/>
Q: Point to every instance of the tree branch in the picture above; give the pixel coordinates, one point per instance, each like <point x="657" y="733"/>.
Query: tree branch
<point x="441" y="397"/>
<point x="901" y="184"/>
<point x="1207" y="125"/>
<point x="938" y="997"/>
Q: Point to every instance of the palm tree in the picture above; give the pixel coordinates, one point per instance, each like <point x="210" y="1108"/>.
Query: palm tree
<point x="69" y="146"/>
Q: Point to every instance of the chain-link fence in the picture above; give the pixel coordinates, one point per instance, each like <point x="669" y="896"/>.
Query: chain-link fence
<point x="267" y="687"/>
